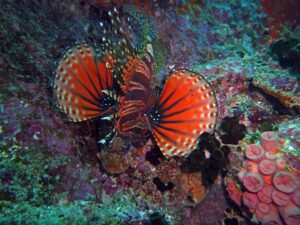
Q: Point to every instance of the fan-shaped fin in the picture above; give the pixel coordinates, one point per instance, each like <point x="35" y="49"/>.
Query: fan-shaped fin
<point x="186" y="108"/>
<point x="80" y="81"/>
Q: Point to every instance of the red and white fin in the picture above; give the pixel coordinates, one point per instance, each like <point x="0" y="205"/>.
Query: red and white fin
<point x="186" y="108"/>
<point x="81" y="78"/>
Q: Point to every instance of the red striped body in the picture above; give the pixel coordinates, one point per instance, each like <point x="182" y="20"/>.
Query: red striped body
<point x="135" y="102"/>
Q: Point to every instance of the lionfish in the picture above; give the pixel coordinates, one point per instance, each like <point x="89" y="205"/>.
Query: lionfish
<point x="117" y="84"/>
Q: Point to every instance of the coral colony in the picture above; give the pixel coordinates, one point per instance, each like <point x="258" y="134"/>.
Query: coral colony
<point x="270" y="186"/>
<point x="150" y="112"/>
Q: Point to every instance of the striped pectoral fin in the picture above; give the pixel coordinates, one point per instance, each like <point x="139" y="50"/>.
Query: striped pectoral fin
<point x="80" y="78"/>
<point x="186" y="108"/>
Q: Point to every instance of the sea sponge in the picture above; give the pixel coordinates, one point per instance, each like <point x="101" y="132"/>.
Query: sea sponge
<point x="209" y="158"/>
<point x="114" y="163"/>
<point x="192" y="186"/>
<point x="233" y="131"/>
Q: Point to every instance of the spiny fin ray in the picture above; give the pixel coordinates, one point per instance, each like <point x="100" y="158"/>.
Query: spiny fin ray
<point x="186" y="108"/>
<point x="80" y="79"/>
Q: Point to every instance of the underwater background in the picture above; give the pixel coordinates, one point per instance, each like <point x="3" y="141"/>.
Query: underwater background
<point x="246" y="171"/>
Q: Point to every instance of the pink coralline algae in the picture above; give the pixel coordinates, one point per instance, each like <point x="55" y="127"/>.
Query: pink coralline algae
<point x="271" y="186"/>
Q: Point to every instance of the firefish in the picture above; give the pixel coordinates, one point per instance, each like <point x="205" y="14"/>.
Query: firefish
<point x="116" y="83"/>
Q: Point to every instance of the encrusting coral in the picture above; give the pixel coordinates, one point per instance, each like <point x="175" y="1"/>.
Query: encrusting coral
<point x="271" y="187"/>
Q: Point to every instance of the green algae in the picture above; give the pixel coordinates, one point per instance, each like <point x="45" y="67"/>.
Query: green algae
<point x="28" y="193"/>
<point x="113" y="211"/>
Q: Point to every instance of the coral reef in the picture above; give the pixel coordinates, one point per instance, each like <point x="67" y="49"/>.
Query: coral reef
<point x="49" y="168"/>
<point x="280" y="12"/>
<point x="254" y="92"/>
<point x="192" y="187"/>
<point x="287" y="53"/>
<point x="114" y="163"/>
<point x="231" y="217"/>
<point x="290" y="132"/>
<point x="270" y="183"/>
<point x="288" y="98"/>
<point x="210" y="211"/>
<point x="209" y="158"/>
<point x="113" y="160"/>
<point x="115" y="210"/>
